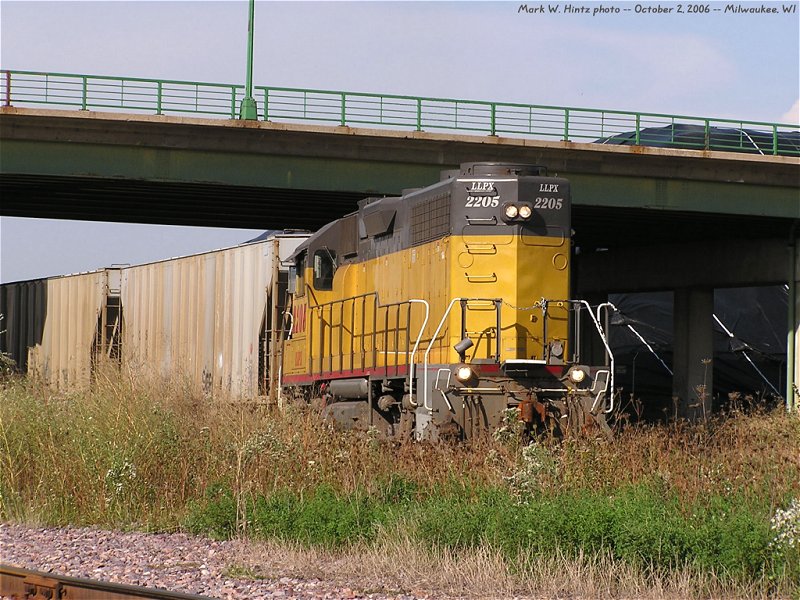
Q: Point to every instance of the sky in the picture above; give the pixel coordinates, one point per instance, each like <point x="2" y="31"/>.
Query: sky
<point x="720" y="64"/>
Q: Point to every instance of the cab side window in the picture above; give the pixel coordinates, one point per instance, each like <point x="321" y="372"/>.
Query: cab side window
<point x="324" y="267"/>
<point x="300" y="271"/>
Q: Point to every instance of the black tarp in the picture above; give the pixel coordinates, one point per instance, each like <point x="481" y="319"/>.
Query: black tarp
<point x="695" y="137"/>
<point x="757" y="318"/>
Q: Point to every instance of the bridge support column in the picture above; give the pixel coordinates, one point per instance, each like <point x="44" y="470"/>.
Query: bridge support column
<point x="793" y="337"/>
<point x="693" y="328"/>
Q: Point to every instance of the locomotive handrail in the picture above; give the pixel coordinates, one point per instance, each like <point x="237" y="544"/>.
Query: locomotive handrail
<point x="389" y="111"/>
<point x="601" y="332"/>
<point x="428" y="351"/>
<point x="321" y="307"/>
<point x="436" y="334"/>
<point x="288" y="313"/>
<point x="603" y="305"/>
<point x="411" y="362"/>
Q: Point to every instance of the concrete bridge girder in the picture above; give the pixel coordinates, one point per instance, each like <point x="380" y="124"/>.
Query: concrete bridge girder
<point x="278" y="155"/>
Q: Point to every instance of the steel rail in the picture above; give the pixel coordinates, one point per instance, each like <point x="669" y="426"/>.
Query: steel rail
<point x="25" y="584"/>
<point x="388" y="111"/>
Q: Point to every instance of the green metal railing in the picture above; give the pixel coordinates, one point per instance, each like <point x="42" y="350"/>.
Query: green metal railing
<point x="131" y="94"/>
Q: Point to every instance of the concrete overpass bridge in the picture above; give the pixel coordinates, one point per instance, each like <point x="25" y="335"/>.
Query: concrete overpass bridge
<point x="645" y="218"/>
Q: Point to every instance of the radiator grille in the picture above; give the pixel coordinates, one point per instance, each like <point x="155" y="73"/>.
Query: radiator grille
<point x="430" y="219"/>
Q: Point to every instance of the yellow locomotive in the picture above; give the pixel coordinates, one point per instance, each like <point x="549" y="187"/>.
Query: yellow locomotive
<point x="431" y="314"/>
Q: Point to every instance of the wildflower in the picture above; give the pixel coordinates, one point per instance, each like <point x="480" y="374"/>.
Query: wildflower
<point x="511" y="427"/>
<point x="786" y="525"/>
<point x="537" y="468"/>
<point x="119" y="479"/>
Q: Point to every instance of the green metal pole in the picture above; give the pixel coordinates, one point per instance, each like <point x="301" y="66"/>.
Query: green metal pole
<point x="775" y="140"/>
<point x="248" y="110"/>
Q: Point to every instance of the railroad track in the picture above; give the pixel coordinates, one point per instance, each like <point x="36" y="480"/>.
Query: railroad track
<point x="22" y="584"/>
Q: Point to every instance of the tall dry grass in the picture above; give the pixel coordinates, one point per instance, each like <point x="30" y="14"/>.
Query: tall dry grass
<point x="129" y="450"/>
<point x="667" y="509"/>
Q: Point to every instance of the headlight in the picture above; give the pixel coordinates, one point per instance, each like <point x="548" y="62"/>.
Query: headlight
<point x="525" y="211"/>
<point x="511" y="212"/>
<point x="577" y="375"/>
<point x="464" y="373"/>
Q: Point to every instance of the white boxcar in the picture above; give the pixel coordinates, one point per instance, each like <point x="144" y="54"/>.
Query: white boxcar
<point x="205" y="319"/>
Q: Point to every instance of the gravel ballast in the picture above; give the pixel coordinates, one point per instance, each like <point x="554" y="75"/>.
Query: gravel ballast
<point x="174" y="561"/>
